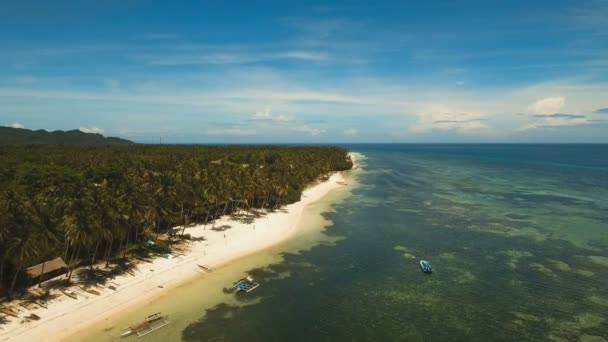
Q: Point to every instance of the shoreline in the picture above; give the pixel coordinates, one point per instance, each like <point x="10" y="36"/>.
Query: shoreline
<point x="63" y="316"/>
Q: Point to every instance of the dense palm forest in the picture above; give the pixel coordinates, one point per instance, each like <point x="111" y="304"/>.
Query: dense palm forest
<point x="91" y="203"/>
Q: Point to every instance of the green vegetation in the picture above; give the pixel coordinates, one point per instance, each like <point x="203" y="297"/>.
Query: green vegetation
<point x="85" y="203"/>
<point x="21" y="136"/>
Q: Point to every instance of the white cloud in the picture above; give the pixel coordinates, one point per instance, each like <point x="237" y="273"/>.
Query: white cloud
<point x="443" y="118"/>
<point x="459" y="83"/>
<point x="263" y="115"/>
<point x="351" y="132"/>
<point x="226" y="56"/>
<point x="549" y="121"/>
<point x="548" y="105"/>
<point x="306" y="55"/>
<point x="281" y="118"/>
<point x="547" y="115"/>
<point x="313" y="131"/>
<point x="231" y="131"/>
<point x="17" y="125"/>
<point x="215" y="58"/>
<point x="91" y="130"/>
<point x="235" y="95"/>
<point x="266" y="115"/>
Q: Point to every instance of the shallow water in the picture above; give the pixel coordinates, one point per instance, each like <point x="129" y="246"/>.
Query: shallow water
<point x="517" y="236"/>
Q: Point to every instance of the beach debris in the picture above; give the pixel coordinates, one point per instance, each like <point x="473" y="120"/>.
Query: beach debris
<point x="10" y="311"/>
<point x="29" y="318"/>
<point x="33" y="317"/>
<point x="70" y="294"/>
<point x="28" y="305"/>
<point x="91" y="291"/>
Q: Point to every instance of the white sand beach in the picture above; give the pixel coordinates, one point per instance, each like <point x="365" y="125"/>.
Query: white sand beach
<point x="211" y="248"/>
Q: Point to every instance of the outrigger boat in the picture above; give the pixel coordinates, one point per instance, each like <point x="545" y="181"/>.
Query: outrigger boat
<point x="148" y="325"/>
<point x="246" y="285"/>
<point x="426" y="266"/>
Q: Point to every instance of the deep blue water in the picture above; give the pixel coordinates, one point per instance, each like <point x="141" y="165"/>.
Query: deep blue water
<point x="517" y="236"/>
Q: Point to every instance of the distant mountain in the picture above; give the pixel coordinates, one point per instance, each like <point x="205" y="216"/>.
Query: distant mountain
<point x="20" y="136"/>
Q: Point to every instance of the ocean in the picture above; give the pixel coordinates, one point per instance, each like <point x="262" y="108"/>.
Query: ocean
<point x="517" y="236"/>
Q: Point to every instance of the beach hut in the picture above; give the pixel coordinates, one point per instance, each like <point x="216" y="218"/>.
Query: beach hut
<point x="51" y="268"/>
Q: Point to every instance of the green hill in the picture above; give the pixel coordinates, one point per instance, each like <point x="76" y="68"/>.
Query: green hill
<point x="19" y="136"/>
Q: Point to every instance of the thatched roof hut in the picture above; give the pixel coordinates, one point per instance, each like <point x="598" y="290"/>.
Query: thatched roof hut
<point x="55" y="266"/>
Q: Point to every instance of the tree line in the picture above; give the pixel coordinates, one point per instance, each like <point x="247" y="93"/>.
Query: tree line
<point x="86" y="203"/>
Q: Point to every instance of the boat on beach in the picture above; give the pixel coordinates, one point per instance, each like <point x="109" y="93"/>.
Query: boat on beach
<point x="425" y="266"/>
<point x="245" y="285"/>
<point x="203" y="267"/>
<point x="149" y="324"/>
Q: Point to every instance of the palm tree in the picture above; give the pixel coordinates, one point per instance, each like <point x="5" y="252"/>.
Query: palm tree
<point x="80" y="230"/>
<point x="24" y="242"/>
<point x="23" y="247"/>
<point x="105" y="216"/>
<point x="6" y="231"/>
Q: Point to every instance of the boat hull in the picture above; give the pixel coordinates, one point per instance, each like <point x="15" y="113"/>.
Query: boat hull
<point x="425" y="266"/>
<point x="127" y="333"/>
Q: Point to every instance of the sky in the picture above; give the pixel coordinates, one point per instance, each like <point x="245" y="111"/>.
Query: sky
<point x="304" y="72"/>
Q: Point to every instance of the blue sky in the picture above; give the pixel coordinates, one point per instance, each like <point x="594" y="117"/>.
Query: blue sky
<point x="264" y="72"/>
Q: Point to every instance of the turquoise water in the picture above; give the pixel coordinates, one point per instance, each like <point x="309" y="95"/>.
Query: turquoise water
<point x="517" y="236"/>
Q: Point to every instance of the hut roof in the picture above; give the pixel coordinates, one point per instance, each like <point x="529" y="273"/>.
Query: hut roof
<point x="49" y="266"/>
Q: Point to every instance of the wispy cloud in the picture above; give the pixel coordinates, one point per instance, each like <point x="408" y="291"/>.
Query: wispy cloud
<point x="592" y="15"/>
<point x="351" y="132"/>
<point x="91" y="129"/>
<point x="160" y="36"/>
<point x="312" y="131"/>
<point x="551" y="122"/>
<point x="444" y="118"/>
<point x="17" y="125"/>
<point x="25" y="79"/>
<point x="174" y="59"/>
<point x="223" y="56"/>
<point x="306" y="55"/>
<point x="548" y="105"/>
<point x="559" y="116"/>
<point x="266" y="115"/>
<point x="322" y="28"/>
<point x="236" y="131"/>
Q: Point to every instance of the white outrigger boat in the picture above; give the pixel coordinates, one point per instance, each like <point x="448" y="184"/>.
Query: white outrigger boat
<point x="425" y="266"/>
<point x="245" y="285"/>
<point x="148" y="325"/>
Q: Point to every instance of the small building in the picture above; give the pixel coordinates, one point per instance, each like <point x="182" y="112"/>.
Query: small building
<point x="47" y="269"/>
